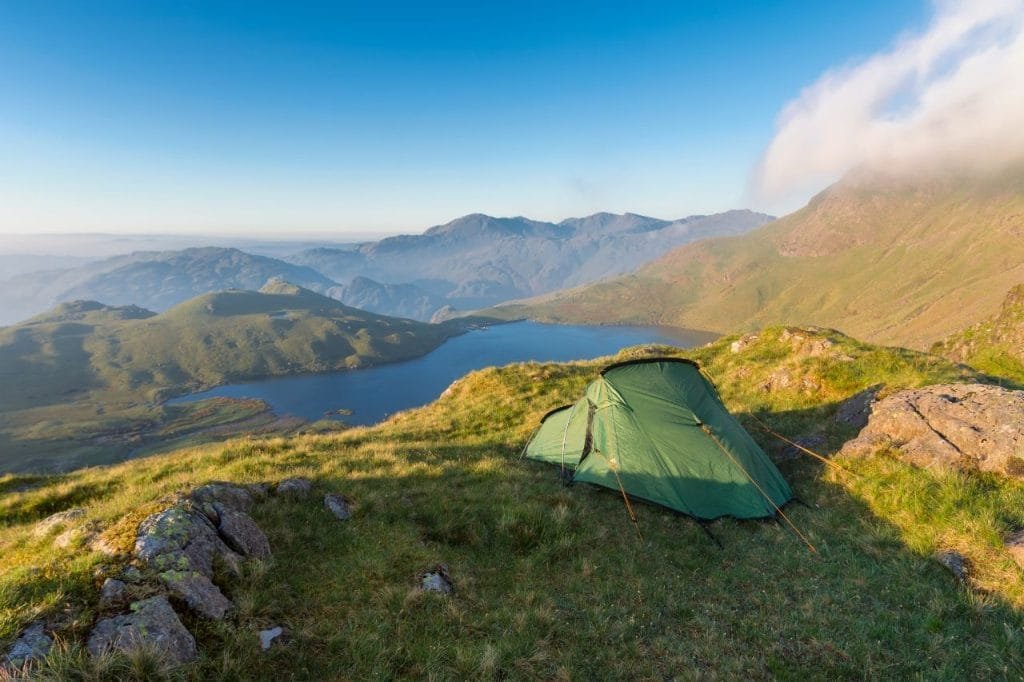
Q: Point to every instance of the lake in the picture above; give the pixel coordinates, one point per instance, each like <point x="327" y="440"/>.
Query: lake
<point x="373" y="393"/>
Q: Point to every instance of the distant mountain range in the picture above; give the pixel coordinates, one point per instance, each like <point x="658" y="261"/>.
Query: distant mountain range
<point x="885" y="258"/>
<point x="478" y="260"/>
<point x="156" y="280"/>
<point x="471" y="262"/>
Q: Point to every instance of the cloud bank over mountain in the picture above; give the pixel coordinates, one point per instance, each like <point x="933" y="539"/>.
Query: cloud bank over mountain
<point x="951" y="95"/>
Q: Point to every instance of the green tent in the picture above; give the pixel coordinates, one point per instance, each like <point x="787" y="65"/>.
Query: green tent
<point x="657" y="430"/>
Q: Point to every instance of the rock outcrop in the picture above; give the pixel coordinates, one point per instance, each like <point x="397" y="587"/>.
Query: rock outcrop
<point x="181" y="552"/>
<point x="964" y="426"/>
<point x="181" y="545"/>
<point x="151" y="623"/>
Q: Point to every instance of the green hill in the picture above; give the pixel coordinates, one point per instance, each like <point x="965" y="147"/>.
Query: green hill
<point x="886" y="259"/>
<point x="550" y="581"/>
<point x="995" y="345"/>
<point x="85" y="382"/>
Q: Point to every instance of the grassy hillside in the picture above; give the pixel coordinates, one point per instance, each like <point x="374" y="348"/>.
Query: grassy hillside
<point x="84" y="382"/>
<point x="885" y="259"/>
<point x="995" y="345"/>
<point x="553" y="582"/>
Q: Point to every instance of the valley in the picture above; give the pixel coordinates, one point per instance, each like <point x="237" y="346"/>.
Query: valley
<point x="86" y="383"/>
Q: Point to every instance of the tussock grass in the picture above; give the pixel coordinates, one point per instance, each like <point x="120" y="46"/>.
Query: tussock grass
<point x="552" y="581"/>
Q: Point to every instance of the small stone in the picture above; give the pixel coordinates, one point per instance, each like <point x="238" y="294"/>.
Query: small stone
<point x="51" y="522"/>
<point x="152" y="622"/>
<point x="242" y="534"/>
<point x="954" y="562"/>
<point x="98" y="543"/>
<point x="113" y="593"/>
<point x="296" y="488"/>
<point x="32" y="645"/>
<point x="338" y="505"/>
<point x="267" y="637"/>
<point x="437" y="580"/>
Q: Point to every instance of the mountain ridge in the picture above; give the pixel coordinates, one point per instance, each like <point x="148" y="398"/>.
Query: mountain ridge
<point x="885" y="258"/>
<point x="478" y="260"/>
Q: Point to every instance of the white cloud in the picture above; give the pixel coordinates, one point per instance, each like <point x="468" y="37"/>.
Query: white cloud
<point x="952" y="95"/>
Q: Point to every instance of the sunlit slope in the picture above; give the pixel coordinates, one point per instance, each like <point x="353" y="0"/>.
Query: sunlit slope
<point x="994" y="345"/>
<point x="885" y="259"/>
<point x="541" y="569"/>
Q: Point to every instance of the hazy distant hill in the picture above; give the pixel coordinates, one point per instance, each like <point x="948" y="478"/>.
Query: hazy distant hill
<point x="155" y="280"/>
<point x="401" y="300"/>
<point x="12" y="265"/>
<point x="890" y="260"/>
<point x="84" y="376"/>
<point x="479" y="260"/>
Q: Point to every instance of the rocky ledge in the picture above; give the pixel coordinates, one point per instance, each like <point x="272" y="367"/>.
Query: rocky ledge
<point x="970" y="427"/>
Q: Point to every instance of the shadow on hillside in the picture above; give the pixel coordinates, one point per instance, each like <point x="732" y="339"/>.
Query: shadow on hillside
<point x="520" y="545"/>
<point x="863" y="600"/>
<point x="1002" y="381"/>
<point x="35" y="507"/>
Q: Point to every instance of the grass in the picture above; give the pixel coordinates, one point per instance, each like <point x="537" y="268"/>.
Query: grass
<point x="552" y="581"/>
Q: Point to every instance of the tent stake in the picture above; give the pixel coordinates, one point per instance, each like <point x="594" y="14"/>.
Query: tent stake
<point x="707" y="531"/>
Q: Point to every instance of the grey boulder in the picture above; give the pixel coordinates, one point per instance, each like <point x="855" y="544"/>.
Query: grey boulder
<point x="198" y="592"/>
<point x="54" y="521"/>
<point x="954" y="562"/>
<point x="151" y="623"/>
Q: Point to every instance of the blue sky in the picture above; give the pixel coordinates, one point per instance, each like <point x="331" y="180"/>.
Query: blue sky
<point x="248" y="117"/>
